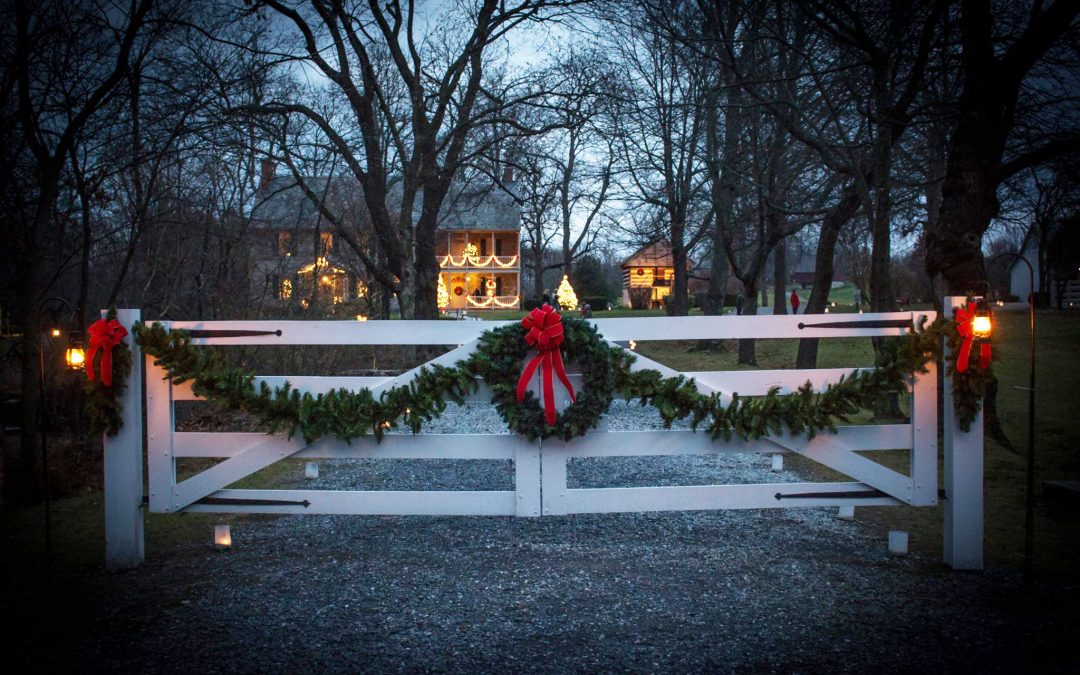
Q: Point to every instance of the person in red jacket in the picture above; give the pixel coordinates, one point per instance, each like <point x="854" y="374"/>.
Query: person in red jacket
<point x="794" y="302"/>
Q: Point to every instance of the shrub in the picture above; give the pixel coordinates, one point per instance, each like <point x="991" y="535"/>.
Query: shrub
<point x="598" y="302"/>
<point x="529" y="304"/>
<point x="639" y="297"/>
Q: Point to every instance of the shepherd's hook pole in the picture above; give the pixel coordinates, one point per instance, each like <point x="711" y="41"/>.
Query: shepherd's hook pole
<point x="1029" y="515"/>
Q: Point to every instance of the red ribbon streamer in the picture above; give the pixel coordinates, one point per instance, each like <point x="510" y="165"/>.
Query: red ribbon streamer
<point x="965" y="324"/>
<point x="545" y="334"/>
<point x="104" y="336"/>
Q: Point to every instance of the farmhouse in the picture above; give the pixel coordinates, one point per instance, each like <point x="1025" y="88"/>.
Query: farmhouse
<point x="301" y="262"/>
<point x="1055" y="266"/>
<point x="650" y="267"/>
<point x="477" y="246"/>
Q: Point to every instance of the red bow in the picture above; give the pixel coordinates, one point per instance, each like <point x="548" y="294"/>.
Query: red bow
<point x="965" y="320"/>
<point x="546" y="334"/>
<point x="104" y="335"/>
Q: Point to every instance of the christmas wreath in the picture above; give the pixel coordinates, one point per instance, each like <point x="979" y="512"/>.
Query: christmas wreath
<point x="500" y="356"/>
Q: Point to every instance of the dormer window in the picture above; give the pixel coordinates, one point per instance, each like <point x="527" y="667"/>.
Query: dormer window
<point x="326" y="243"/>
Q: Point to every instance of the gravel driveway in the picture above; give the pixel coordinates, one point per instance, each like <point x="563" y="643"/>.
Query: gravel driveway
<point x="740" y="591"/>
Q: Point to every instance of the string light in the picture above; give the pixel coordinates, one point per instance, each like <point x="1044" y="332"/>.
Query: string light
<point x="466" y="260"/>
<point x="565" y="294"/>
<point x="496" y="301"/>
<point x="442" y="296"/>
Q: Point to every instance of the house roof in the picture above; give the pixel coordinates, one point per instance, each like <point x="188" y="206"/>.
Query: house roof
<point x="282" y="203"/>
<point x="656" y="254"/>
<point x="486" y="209"/>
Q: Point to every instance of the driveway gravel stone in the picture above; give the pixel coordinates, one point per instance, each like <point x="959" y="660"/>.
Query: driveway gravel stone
<point x="785" y="591"/>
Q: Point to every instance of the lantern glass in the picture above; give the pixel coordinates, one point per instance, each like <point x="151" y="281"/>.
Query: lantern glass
<point x="222" y="537"/>
<point x="981" y="326"/>
<point x="75" y="357"/>
<point x="75" y="354"/>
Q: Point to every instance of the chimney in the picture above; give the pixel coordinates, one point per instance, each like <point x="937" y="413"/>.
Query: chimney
<point x="266" y="173"/>
<point x="508" y="175"/>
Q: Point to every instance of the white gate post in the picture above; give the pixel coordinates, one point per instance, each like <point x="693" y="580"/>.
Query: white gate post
<point x="124" y="546"/>
<point x="963" y="526"/>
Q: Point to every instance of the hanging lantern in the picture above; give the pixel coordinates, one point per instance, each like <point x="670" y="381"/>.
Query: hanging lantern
<point x="975" y="324"/>
<point x="75" y="355"/>
<point x="982" y="324"/>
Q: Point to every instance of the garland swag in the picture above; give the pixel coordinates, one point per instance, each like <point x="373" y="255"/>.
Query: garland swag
<point x="606" y="369"/>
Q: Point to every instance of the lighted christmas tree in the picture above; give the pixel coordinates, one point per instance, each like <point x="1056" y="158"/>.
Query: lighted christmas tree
<point x="442" y="297"/>
<point x="566" y="296"/>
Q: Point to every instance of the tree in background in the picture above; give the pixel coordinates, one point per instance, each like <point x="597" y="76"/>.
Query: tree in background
<point x="64" y="64"/>
<point x="657" y="126"/>
<point x="1016" y="110"/>
<point x="592" y="279"/>
<point x="405" y="94"/>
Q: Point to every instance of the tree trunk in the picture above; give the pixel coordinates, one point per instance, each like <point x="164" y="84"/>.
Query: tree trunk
<point x="714" y="305"/>
<point x="427" y="278"/>
<point x="881" y="294"/>
<point x="538" y="272"/>
<point x="29" y="290"/>
<point x="678" y="300"/>
<point x="780" y="298"/>
<point x="748" y="347"/>
<point x="837" y="217"/>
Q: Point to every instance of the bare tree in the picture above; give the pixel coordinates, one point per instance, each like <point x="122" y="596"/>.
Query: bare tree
<point x="414" y="89"/>
<point x="1005" y="69"/>
<point x="66" y="62"/>
<point x="657" y="126"/>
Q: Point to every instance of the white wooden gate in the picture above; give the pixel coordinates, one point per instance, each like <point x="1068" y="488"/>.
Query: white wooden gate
<point x="540" y="469"/>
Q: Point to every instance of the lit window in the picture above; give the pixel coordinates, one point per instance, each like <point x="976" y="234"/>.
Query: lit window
<point x="361" y="288"/>
<point x="286" y="289"/>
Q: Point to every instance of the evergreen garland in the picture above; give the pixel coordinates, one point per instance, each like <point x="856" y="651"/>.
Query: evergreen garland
<point x="340" y="412"/>
<point x="350" y="414"/>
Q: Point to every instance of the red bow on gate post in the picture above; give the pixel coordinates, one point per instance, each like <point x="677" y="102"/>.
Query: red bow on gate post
<point x="545" y="334"/>
<point x="965" y="325"/>
<point x="104" y="336"/>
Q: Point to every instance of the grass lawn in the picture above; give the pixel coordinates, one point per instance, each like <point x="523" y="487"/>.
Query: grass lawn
<point x="843" y="297"/>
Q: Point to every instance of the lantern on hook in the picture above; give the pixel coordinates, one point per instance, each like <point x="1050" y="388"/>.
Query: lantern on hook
<point x="75" y="354"/>
<point x="975" y="323"/>
<point x="982" y="324"/>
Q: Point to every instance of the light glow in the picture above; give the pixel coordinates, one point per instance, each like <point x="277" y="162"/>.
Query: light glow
<point x="75" y="358"/>
<point x="222" y="537"/>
